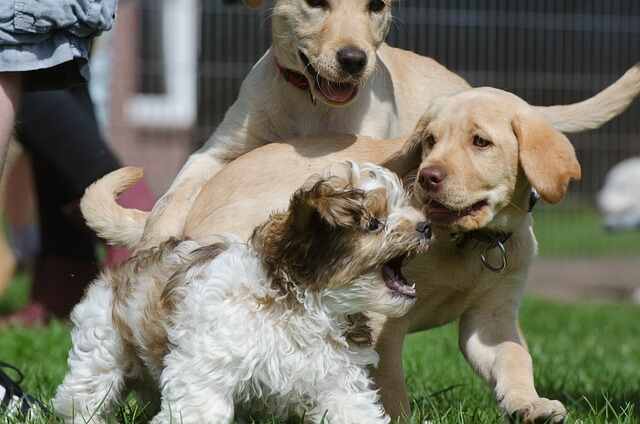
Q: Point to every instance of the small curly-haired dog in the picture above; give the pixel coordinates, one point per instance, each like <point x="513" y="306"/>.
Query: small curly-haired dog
<point x="275" y="326"/>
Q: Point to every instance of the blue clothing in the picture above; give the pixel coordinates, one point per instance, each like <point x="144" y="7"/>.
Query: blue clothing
<point x="42" y="35"/>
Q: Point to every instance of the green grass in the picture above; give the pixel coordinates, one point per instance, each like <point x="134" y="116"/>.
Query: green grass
<point x="578" y="232"/>
<point x="587" y="356"/>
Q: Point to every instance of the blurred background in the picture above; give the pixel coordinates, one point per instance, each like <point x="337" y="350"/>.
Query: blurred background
<point x="163" y="79"/>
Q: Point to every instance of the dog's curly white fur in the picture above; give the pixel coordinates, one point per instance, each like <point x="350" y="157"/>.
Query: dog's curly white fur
<point x="262" y="327"/>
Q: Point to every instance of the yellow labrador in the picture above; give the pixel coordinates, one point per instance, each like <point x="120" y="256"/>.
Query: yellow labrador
<point x="478" y="153"/>
<point x="329" y="71"/>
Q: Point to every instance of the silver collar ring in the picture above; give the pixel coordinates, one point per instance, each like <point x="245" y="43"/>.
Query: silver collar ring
<point x="503" y="254"/>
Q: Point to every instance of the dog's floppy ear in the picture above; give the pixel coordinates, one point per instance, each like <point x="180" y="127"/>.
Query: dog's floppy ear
<point x="254" y="4"/>
<point x="408" y="158"/>
<point x="332" y="200"/>
<point x="546" y="156"/>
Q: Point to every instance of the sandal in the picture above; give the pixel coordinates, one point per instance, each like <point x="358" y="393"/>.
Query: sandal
<point x="12" y="399"/>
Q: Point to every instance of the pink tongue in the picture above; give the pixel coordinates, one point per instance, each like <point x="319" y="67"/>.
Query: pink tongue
<point x="338" y="93"/>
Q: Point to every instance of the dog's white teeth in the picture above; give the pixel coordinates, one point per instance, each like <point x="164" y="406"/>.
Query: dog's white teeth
<point x="413" y="286"/>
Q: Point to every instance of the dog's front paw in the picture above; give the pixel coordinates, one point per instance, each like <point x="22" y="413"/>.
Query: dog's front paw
<point x="536" y="410"/>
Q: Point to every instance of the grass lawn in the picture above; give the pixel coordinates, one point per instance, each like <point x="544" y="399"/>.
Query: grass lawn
<point x="587" y="356"/>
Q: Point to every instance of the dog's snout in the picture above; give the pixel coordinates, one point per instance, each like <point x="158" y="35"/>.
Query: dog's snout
<point x="352" y="59"/>
<point x="431" y="177"/>
<point x="424" y="228"/>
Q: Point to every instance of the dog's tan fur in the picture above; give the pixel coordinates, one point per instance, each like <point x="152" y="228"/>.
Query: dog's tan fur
<point x="453" y="284"/>
<point x="395" y="87"/>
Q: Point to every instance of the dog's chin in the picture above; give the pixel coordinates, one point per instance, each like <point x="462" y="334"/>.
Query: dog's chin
<point x="473" y="222"/>
<point x="465" y="218"/>
<point x="328" y="90"/>
<point x="390" y="304"/>
<point x="372" y="292"/>
<point x="396" y="294"/>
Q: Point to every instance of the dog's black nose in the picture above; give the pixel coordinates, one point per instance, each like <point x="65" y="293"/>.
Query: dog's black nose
<point x="424" y="228"/>
<point x="352" y="59"/>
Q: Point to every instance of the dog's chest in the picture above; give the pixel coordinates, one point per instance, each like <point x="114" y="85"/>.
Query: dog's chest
<point x="448" y="283"/>
<point x="445" y="287"/>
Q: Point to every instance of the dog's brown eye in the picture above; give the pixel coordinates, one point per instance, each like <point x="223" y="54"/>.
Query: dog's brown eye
<point x="374" y="224"/>
<point x="318" y="3"/>
<point x="481" y="142"/>
<point x="430" y="141"/>
<point x="377" y="6"/>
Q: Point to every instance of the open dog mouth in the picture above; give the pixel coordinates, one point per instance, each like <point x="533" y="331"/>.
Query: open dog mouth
<point x="441" y="214"/>
<point x="337" y="93"/>
<point x="395" y="280"/>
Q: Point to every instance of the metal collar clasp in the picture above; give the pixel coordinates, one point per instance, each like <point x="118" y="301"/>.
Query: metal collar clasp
<point x="498" y="244"/>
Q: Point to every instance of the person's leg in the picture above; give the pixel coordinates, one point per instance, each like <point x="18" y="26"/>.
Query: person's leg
<point x="60" y="132"/>
<point x="9" y="99"/>
<point x="67" y="261"/>
<point x="7" y="263"/>
<point x="60" y="128"/>
<point x="10" y="89"/>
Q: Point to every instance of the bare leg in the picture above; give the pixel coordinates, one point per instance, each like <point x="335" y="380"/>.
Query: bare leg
<point x="7" y="263"/>
<point x="9" y="98"/>
<point x="10" y="89"/>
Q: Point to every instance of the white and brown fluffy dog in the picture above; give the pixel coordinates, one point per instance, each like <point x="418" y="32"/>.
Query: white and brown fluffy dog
<point x="271" y="326"/>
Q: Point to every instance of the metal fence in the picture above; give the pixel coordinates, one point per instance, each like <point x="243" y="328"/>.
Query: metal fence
<point x="546" y="51"/>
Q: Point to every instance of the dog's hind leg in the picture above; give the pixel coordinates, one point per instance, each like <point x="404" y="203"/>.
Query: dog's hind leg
<point x="192" y="394"/>
<point x="98" y="361"/>
<point x="348" y="399"/>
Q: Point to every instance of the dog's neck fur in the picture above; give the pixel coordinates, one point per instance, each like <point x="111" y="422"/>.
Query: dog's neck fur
<point x="319" y="316"/>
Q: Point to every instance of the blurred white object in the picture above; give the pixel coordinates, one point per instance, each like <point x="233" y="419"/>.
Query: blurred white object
<point x="619" y="199"/>
<point x="635" y="296"/>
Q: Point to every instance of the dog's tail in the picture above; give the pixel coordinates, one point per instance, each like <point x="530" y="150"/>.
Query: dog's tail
<point x="599" y="109"/>
<point x="112" y="222"/>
